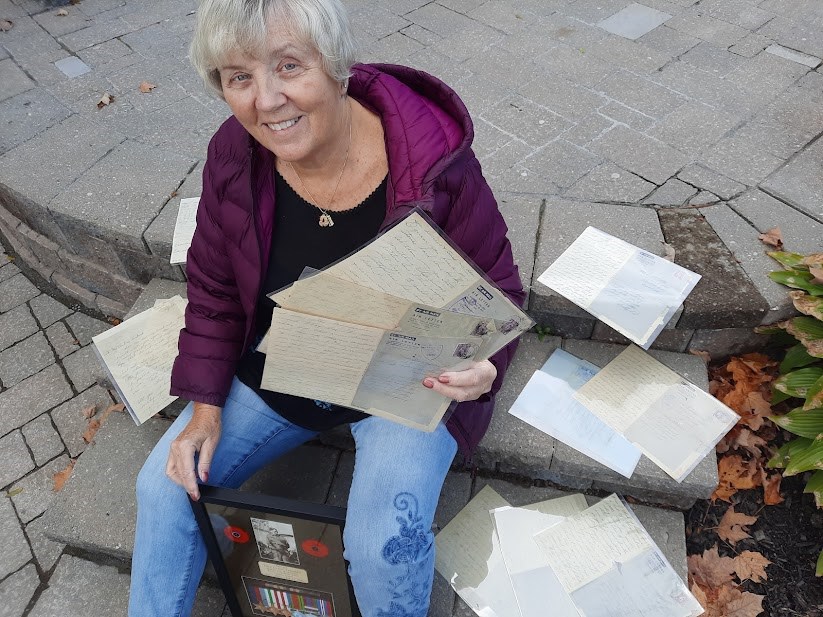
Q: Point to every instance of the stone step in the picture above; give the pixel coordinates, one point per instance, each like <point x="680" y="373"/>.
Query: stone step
<point x="94" y="513"/>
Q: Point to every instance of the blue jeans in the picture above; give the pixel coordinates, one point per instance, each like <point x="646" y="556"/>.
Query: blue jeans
<point x="398" y="474"/>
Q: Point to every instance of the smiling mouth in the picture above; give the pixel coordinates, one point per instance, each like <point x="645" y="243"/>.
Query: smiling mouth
<point x="282" y="126"/>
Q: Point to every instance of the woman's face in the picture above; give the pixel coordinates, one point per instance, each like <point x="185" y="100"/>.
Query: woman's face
<point x="286" y="100"/>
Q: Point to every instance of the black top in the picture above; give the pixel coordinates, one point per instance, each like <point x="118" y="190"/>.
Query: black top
<point x="299" y="241"/>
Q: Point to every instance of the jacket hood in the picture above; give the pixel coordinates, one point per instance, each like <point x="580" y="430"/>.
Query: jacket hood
<point x="426" y="124"/>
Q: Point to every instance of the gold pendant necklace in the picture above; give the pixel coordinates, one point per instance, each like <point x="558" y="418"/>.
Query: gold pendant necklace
<point x="325" y="219"/>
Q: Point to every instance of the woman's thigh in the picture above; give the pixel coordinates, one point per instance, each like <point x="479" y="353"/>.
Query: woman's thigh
<point x="398" y="475"/>
<point x="252" y="435"/>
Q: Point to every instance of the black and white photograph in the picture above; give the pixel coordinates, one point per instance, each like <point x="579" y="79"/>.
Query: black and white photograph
<point x="275" y="541"/>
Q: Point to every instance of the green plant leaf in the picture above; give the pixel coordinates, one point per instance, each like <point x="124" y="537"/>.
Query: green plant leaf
<point x="818" y="571"/>
<point x="805" y="459"/>
<point x="779" y="397"/>
<point x="784" y="454"/>
<point x="797" y="279"/>
<point x="815" y="486"/>
<point x="814" y="397"/>
<point x="770" y="329"/>
<point x="797" y="383"/>
<point x="787" y="260"/>
<point x="804" y="423"/>
<point x="796" y="357"/>
<point x="807" y="330"/>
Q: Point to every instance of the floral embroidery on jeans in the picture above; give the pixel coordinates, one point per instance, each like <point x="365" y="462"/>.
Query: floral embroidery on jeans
<point x="323" y="405"/>
<point x="405" y="549"/>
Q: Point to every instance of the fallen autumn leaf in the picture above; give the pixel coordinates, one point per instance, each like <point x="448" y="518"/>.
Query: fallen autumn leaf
<point x="710" y="569"/>
<point x="6" y="25"/>
<point x="62" y="13"/>
<point x="772" y="237"/>
<point x="61" y="477"/>
<point x="89" y="411"/>
<point x="146" y="87"/>
<point x="106" y="99"/>
<point x="733" y="526"/>
<point x="750" y="565"/>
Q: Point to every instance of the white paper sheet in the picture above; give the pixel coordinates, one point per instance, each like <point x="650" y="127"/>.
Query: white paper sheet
<point x="535" y="584"/>
<point x="139" y="353"/>
<point x="672" y="421"/>
<point x="184" y="229"/>
<point x="547" y="403"/>
<point x="627" y="288"/>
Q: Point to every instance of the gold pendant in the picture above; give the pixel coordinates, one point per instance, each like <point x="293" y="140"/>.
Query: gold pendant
<point x="325" y="220"/>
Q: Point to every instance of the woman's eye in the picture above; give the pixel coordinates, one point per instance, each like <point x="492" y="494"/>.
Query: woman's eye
<point x="238" y="78"/>
<point x="289" y="66"/>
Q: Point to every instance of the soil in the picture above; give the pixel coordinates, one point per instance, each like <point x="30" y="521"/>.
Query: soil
<point x="790" y="535"/>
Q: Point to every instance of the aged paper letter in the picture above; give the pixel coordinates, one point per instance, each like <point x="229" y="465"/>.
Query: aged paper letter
<point x="672" y="421"/>
<point x="468" y="556"/>
<point x="585" y="546"/>
<point x="184" y="229"/>
<point x="410" y="261"/>
<point x="317" y="358"/>
<point x="139" y="354"/>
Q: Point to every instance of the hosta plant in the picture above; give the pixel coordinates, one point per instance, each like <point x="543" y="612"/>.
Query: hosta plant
<point x="801" y="372"/>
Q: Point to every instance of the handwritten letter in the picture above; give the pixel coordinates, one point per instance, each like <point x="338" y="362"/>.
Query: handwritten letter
<point x="184" y="229"/>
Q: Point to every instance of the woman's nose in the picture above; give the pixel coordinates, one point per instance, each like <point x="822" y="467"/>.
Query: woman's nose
<point x="269" y="94"/>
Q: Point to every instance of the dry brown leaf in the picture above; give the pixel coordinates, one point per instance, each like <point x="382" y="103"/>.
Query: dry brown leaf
<point x="750" y="442"/>
<point x="62" y="13"/>
<point x="89" y="411"/>
<point x="61" y="477"/>
<point x="733" y="526"/>
<point x="670" y="252"/>
<point x="146" y="87"/>
<point x="750" y="565"/>
<point x="710" y="569"/>
<point x="772" y="237"/>
<point x="703" y="355"/>
<point x="745" y="605"/>
<point x="735" y="474"/>
<point x="700" y="595"/>
<point x="106" y="99"/>
<point x="91" y="430"/>
<point x="6" y="25"/>
<point x="771" y="488"/>
<point x="817" y="273"/>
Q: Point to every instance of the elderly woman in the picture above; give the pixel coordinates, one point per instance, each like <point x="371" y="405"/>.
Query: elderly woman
<point x="319" y="156"/>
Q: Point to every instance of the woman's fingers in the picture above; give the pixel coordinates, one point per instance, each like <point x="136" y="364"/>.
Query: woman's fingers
<point x="202" y="435"/>
<point x="466" y="385"/>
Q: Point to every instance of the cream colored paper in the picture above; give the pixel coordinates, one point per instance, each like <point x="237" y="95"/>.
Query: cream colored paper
<point x="585" y="546"/>
<point x="289" y="573"/>
<point x="364" y="368"/>
<point x="317" y="358"/>
<point x="409" y="261"/>
<point x="139" y="354"/>
<point x="327" y="296"/>
<point x="673" y="422"/>
<point x="468" y="556"/>
<point x="184" y="229"/>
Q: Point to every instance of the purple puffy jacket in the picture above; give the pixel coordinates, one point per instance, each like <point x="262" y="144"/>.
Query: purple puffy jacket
<point x="428" y="136"/>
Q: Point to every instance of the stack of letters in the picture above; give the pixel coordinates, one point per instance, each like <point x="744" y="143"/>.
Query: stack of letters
<point x="560" y="558"/>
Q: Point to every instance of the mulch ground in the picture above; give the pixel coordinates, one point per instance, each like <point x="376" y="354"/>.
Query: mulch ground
<point x="790" y="535"/>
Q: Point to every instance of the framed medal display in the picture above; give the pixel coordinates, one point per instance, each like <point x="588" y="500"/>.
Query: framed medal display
<point x="276" y="557"/>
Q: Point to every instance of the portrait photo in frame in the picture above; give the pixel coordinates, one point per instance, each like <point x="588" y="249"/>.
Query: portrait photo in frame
<point x="276" y="557"/>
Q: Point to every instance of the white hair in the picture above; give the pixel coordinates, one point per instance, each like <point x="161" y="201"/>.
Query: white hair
<point x="226" y="26"/>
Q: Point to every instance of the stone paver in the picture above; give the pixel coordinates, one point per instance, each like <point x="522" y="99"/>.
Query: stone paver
<point x="69" y="419"/>
<point x="61" y="340"/>
<point x="16" y="325"/>
<point x="799" y="183"/>
<point x="17" y="591"/>
<point x="31" y="397"/>
<point x="45" y="551"/>
<point x="16" y="457"/>
<point x="33" y="494"/>
<point x="15" y="291"/>
<point x="42" y="439"/>
<point x="25" y="359"/>
<point x="16" y="551"/>
<point x="47" y="310"/>
<point x="84" y="369"/>
<point x="85" y="327"/>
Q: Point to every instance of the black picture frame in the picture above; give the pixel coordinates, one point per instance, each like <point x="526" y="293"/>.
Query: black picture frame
<point x="276" y="557"/>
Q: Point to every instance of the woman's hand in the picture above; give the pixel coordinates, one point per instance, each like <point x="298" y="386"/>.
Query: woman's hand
<point x="465" y="385"/>
<point x="200" y="435"/>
